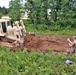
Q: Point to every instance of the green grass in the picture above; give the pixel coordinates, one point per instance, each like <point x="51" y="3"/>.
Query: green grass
<point x="64" y="32"/>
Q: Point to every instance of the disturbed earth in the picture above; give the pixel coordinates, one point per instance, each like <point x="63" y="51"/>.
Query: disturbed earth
<point x="43" y="43"/>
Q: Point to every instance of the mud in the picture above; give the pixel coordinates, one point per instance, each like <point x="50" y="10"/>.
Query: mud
<point x="44" y="43"/>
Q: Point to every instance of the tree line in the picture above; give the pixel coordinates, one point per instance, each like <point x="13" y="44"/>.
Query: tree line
<point x="49" y="12"/>
<point x="3" y="11"/>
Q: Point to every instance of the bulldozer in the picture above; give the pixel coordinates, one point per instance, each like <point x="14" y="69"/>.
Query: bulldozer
<point x="12" y="32"/>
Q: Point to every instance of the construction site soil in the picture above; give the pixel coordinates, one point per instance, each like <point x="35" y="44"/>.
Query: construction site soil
<point x="44" y="43"/>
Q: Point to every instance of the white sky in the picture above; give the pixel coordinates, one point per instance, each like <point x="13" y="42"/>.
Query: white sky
<point x="4" y="3"/>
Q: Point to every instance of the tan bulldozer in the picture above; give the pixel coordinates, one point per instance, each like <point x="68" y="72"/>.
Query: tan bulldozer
<point x="13" y="33"/>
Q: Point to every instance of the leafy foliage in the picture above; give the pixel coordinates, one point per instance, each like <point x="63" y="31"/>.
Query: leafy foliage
<point x="3" y="10"/>
<point x="15" y="7"/>
<point x="51" y="13"/>
<point x="34" y="63"/>
<point x="37" y="10"/>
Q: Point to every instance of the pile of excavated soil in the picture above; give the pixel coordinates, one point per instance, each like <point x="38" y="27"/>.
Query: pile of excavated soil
<point x="43" y="43"/>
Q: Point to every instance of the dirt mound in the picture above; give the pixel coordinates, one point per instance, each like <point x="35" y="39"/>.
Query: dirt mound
<point x="32" y="42"/>
<point x="43" y="43"/>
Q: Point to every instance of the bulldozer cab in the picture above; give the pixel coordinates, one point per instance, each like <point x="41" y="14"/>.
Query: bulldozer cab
<point x="3" y="26"/>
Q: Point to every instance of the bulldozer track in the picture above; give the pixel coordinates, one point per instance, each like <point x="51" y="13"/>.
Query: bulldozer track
<point x="4" y="39"/>
<point x="6" y="42"/>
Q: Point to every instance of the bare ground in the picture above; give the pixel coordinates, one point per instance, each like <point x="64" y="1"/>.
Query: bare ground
<point x="43" y="43"/>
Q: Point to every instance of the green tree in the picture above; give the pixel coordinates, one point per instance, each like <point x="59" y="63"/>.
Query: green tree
<point x="67" y="9"/>
<point x="62" y="12"/>
<point x="38" y="10"/>
<point x="55" y="6"/>
<point x="4" y="10"/>
<point x="15" y="7"/>
<point x="33" y="6"/>
<point x="67" y="14"/>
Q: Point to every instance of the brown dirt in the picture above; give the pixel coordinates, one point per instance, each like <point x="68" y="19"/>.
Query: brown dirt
<point x="43" y="43"/>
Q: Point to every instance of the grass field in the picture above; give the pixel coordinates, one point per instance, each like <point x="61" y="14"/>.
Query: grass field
<point x="64" y="32"/>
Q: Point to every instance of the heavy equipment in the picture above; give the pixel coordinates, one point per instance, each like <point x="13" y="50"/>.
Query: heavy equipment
<point x="12" y="32"/>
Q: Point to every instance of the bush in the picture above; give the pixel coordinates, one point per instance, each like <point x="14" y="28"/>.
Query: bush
<point x="69" y="23"/>
<point x="34" y="63"/>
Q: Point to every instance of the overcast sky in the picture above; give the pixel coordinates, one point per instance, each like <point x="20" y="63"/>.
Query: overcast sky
<point x="4" y="3"/>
